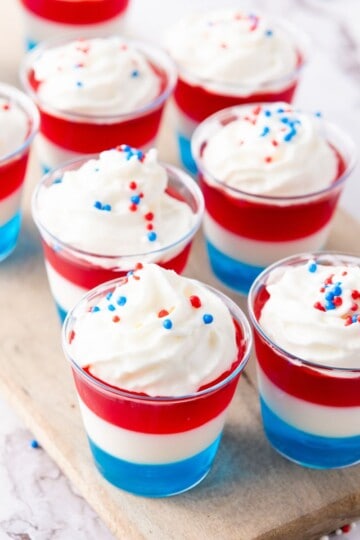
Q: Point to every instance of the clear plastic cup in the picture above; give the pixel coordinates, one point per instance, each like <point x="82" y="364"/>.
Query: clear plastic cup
<point x="154" y="446"/>
<point x="12" y="171"/>
<point x="72" y="272"/>
<point x="310" y="411"/>
<point x="246" y="232"/>
<point x="66" y="135"/>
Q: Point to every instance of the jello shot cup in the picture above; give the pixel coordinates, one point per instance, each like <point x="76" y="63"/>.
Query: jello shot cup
<point x="154" y="415"/>
<point x="71" y="18"/>
<point x="95" y="94"/>
<point x="19" y="122"/>
<point x="271" y="178"/>
<point x="99" y="217"/>
<point x="227" y="58"/>
<point x="305" y="311"/>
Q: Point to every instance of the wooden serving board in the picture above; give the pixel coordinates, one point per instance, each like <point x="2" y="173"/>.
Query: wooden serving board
<point x="251" y="492"/>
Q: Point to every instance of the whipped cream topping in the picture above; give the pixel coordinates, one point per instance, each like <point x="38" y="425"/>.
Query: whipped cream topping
<point x="314" y="313"/>
<point x="95" y="77"/>
<point x="271" y="150"/>
<point x="232" y="47"/>
<point x="14" y="126"/>
<point x="115" y="205"/>
<point x="157" y="333"/>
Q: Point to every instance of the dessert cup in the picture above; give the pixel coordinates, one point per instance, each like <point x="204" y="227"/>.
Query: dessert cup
<point x="245" y="232"/>
<point x="153" y="446"/>
<point x="72" y="271"/>
<point x="71" y="18"/>
<point x="310" y="409"/>
<point x="66" y="135"/>
<point x="13" y="164"/>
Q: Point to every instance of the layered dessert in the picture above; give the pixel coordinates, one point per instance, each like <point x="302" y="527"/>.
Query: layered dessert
<point x="229" y="57"/>
<point x="69" y="18"/>
<point x="100" y="216"/>
<point x="306" y="313"/>
<point x="156" y="358"/>
<point x="271" y="177"/>
<point x="96" y="94"/>
<point x="18" y="124"/>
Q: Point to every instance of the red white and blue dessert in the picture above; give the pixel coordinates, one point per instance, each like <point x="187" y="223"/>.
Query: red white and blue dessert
<point x="156" y="359"/>
<point x="306" y="314"/>
<point x="271" y="177"/>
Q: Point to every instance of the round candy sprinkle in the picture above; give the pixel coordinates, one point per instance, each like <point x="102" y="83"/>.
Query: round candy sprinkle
<point x="208" y="318"/>
<point x="312" y="267"/>
<point x="167" y="324"/>
<point x="107" y="207"/>
<point x="34" y="444"/>
<point x="195" y="301"/>
<point x="116" y="318"/>
<point x="133" y="185"/>
<point x="152" y="236"/>
<point x="98" y="205"/>
<point x="95" y="309"/>
<point x="121" y="301"/>
<point x="133" y="207"/>
<point x="268" y="33"/>
<point x="135" y="73"/>
<point x="135" y="199"/>
<point x="111" y="307"/>
<point x="79" y="84"/>
<point x="139" y="266"/>
<point x="149" y="216"/>
<point x="163" y="313"/>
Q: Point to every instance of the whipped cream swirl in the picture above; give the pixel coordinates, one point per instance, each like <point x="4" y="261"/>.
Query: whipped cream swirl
<point x="116" y="205"/>
<point x="271" y="150"/>
<point x="314" y="311"/>
<point x="96" y="77"/>
<point x="14" y="126"/>
<point x="232" y="47"/>
<point x="157" y="333"/>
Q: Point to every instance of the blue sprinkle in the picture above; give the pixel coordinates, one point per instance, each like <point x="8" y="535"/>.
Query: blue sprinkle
<point x="79" y="84"/>
<point x="121" y="301"/>
<point x="312" y="267"/>
<point x="57" y="181"/>
<point x="290" y="135"/>
<point x="268" y="33"/>
<point x="130" y="273"/>
<point x="107" y="207"/>
<point x="95" y="309"/>
<point x="34" y="444"/>
<point x="329" y="296"/>
<point x="167" y="324"/>
<point x="208" y="318"/>
<point x="135" y="73"/>
<point x="265" y="131"/>
<point x="285" y="120"/>
<point x="140" y="155"/>
<point x="111" y="307"/>
<point x="109" y="296"/>
<point x="318" y="114"/>
<point x="280" y="111"/>
<point x="337" y="290"/>
<point x="152" y="236"/>
<point x="135" y="199"/>
<point x="98" y="205"/>
<point x="354" y="318"/>
<point x="267" y="113"/>
<point x="96" y="169"/>
<point x="329" y="306"/>
<point x="126" y="147"/>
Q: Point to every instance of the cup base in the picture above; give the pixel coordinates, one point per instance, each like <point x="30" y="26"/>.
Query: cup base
<point x="155" y="480"/>
<point x="9" y="233"/>
<point x="233" y="273"/>
<point x="306" y="449"/>
<point x="185" y="155"/>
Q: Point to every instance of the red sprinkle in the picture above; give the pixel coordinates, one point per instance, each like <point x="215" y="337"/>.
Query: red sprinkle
<point x="133" y="207"/>
<point x="149" y="216"/>
<point x="71" y="336"/>
<point x="139" y="266"/>
<point x="354" y="307"/>
<point x="136" y="277"/>
<point x="319" y="306"/>
<point x="133" y="185"/>
<point x="344" y="273"/>
<point x="355" y="294"/>
<point x="141" y="195"/>
<point x="163" y="313"/>
<point x="256" y="110"/>
<point x="195" y="301"/>
<point x="149" y="226"/>
<point x="322" y="289"/>
<point x="268" y="159"/>
<point x="329" y="280"/>
<point x="348" y="321"/>
<point x="116" y="318"/>
<point x="337" y="300"/>
<point x="274" y="143"/>
<point x="6" y="106"/>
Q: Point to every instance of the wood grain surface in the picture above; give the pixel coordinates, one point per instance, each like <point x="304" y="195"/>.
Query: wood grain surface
<point x="251" y="492"/>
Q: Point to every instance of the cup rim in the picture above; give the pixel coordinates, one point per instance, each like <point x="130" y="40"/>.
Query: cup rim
<point x="28" y="107"/>
<point x="163" y="60"/>
<point x="302" y="44"/>
<point x="198" y="139"/>
<point x="235" y="311"/>
<point x="260" y="281"/>
<point x="190" y="184"/>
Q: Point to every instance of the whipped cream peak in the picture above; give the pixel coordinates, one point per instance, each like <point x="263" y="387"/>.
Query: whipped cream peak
<point x="313" y="312"/>
<point x="116" y="205"/>
<point x="156" y="333"/>
<point x="100" y="76"/>
<point x="233" y="47"/>
<point x="270" y="149"/>
<point x="14" y="126"/>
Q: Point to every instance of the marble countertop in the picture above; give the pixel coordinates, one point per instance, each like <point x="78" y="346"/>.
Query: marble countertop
<point x="38" y="502"/>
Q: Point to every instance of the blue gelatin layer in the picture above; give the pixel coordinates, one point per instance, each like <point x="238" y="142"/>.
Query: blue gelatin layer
<point x="185" y="153"/>
<point x="61" y="312"/>
<point x="235" y="274"/>
<point x="307" y="449"/>
<point x="155" y="480"/>
<point x="9" y="233"/>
